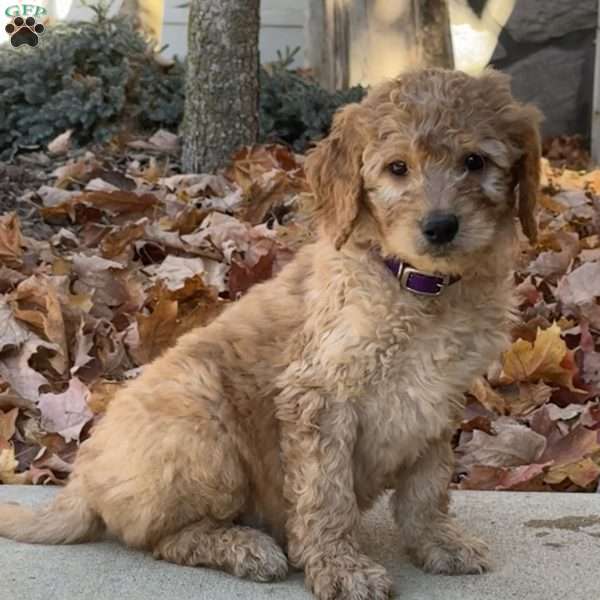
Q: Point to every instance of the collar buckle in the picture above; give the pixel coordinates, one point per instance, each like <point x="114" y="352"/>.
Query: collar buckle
<point x="420" y="283"/>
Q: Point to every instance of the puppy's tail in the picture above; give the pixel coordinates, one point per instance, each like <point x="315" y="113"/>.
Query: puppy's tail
<point x="69" y="519"/>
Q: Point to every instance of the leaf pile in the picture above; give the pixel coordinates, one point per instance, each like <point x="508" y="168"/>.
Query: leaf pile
<point x="534" y="422"/>
<point x="139" y="253"/>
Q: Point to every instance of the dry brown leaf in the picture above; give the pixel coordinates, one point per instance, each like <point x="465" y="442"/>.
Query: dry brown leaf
<point x="36" y="302"/>
<point x="95" y="203"/>
<point x="156" y="330"/>
<point x="8" y="465"/>
<point x="76" y="170"/>
<point x="548" y="264"/>
<point x="120" y="240"/>
<point x="102" y="393"/>
<point x="487" y="397"/>
<point x="12" y="333"/>
<point x="579" y="443"/>
<point x="513" y="445"/>
<point x="7" y="423"/>
<point x="529" y="397"/>
<point x="527" y="478"/>
<point x="11" y="241"/>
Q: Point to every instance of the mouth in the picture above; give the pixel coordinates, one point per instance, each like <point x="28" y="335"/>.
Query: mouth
<point x="425" y="248"/>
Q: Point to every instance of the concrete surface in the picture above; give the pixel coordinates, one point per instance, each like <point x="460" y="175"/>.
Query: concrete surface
<point x="544" y="546"/>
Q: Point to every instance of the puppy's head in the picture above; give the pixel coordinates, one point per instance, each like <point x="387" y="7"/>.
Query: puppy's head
<point x="433" y="162"/>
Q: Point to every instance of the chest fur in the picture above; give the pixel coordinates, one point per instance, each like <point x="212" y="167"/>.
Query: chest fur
<point x="417" y="380"/>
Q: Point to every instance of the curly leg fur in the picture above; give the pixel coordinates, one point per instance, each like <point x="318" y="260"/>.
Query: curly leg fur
<point x="433" y="539"/>
<point x="317" y="450"/>
<point x="241" y="551"/>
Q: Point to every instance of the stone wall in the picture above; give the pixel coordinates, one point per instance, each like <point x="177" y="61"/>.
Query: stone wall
<point x="548" y="48"/>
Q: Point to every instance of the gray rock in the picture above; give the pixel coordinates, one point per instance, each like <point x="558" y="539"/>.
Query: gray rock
<point x="541" y="20"/>
<point x="559" y="81"/>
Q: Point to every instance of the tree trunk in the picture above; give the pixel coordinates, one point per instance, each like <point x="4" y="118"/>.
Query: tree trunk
<point x="434" y="43"/>
<point x="367" y="41"/>
<point x="221" y="103"/>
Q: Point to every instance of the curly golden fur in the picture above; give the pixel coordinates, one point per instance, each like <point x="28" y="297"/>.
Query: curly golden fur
<point x="261" y="438"/>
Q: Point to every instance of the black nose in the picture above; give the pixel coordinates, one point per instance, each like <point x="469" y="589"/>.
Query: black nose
<point x="440" y="228"/>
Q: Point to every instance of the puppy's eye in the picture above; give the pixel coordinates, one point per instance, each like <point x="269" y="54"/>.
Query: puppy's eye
<point x="474" y="162"/>
<point x="398" y="168"/>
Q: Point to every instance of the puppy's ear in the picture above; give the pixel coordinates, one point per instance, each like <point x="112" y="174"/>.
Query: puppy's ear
<point x="521" y="123"/>
<point x="333" y="172"/>
<point x="528" y="171"/>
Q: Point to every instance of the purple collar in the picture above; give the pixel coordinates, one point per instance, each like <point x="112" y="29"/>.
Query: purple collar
<point x="418" y="282"/>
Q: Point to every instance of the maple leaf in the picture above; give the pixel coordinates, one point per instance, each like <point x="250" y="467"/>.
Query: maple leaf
<point x="546" y="359"/>
<point x="16" y="370"/>
<point x="68" y="412"/>
<point x="36" y="303"/>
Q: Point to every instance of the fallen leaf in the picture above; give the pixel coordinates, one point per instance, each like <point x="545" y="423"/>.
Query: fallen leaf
<point x="68" y="412"/>
<point x="582" y="473"/>
<point x="527" y="478"/>
<point x="11" y="241"/>
<point x="513" y="445"/>
<point x="156" y="330"/>
<point x="61" y="144"/>
<point x="174" y="271"/>
<point x="548" y="264"/>
<point x="581" y="286"/>
<point x="12" y="333"/>
<point x="7" y="423"/>
<point x="101" y="394"/>
<point x="8" y="464"/>
<point x="36" y="303"/>
<point x="16" y="370"/>
<point x="547" y="359"/>
<point x="577" y="444"/>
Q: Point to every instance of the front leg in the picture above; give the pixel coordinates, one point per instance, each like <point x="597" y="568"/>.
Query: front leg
<point x="420" y="503"/>
<point x="317" y="440"/>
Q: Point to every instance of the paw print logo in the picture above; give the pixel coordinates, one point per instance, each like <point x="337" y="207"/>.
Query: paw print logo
<point x="24" y="31"/>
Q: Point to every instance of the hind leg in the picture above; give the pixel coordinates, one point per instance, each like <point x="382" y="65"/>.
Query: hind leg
<point x="241" y="551"/>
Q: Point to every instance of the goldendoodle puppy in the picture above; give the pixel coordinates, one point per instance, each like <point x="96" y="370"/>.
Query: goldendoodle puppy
<point x="261" y="438"/>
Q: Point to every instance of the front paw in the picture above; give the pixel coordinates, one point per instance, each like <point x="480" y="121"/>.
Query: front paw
<point x="354" y="577"/>
<point x="452" y="554"/>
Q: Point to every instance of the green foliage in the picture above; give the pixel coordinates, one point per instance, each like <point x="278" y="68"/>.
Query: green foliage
<point x="93" y="77"/>
<point x="295" y="109"/>
<point x="98" y="77"/>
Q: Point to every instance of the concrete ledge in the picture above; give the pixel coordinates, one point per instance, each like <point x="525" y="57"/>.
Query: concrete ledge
<point x="544" y="546"/>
